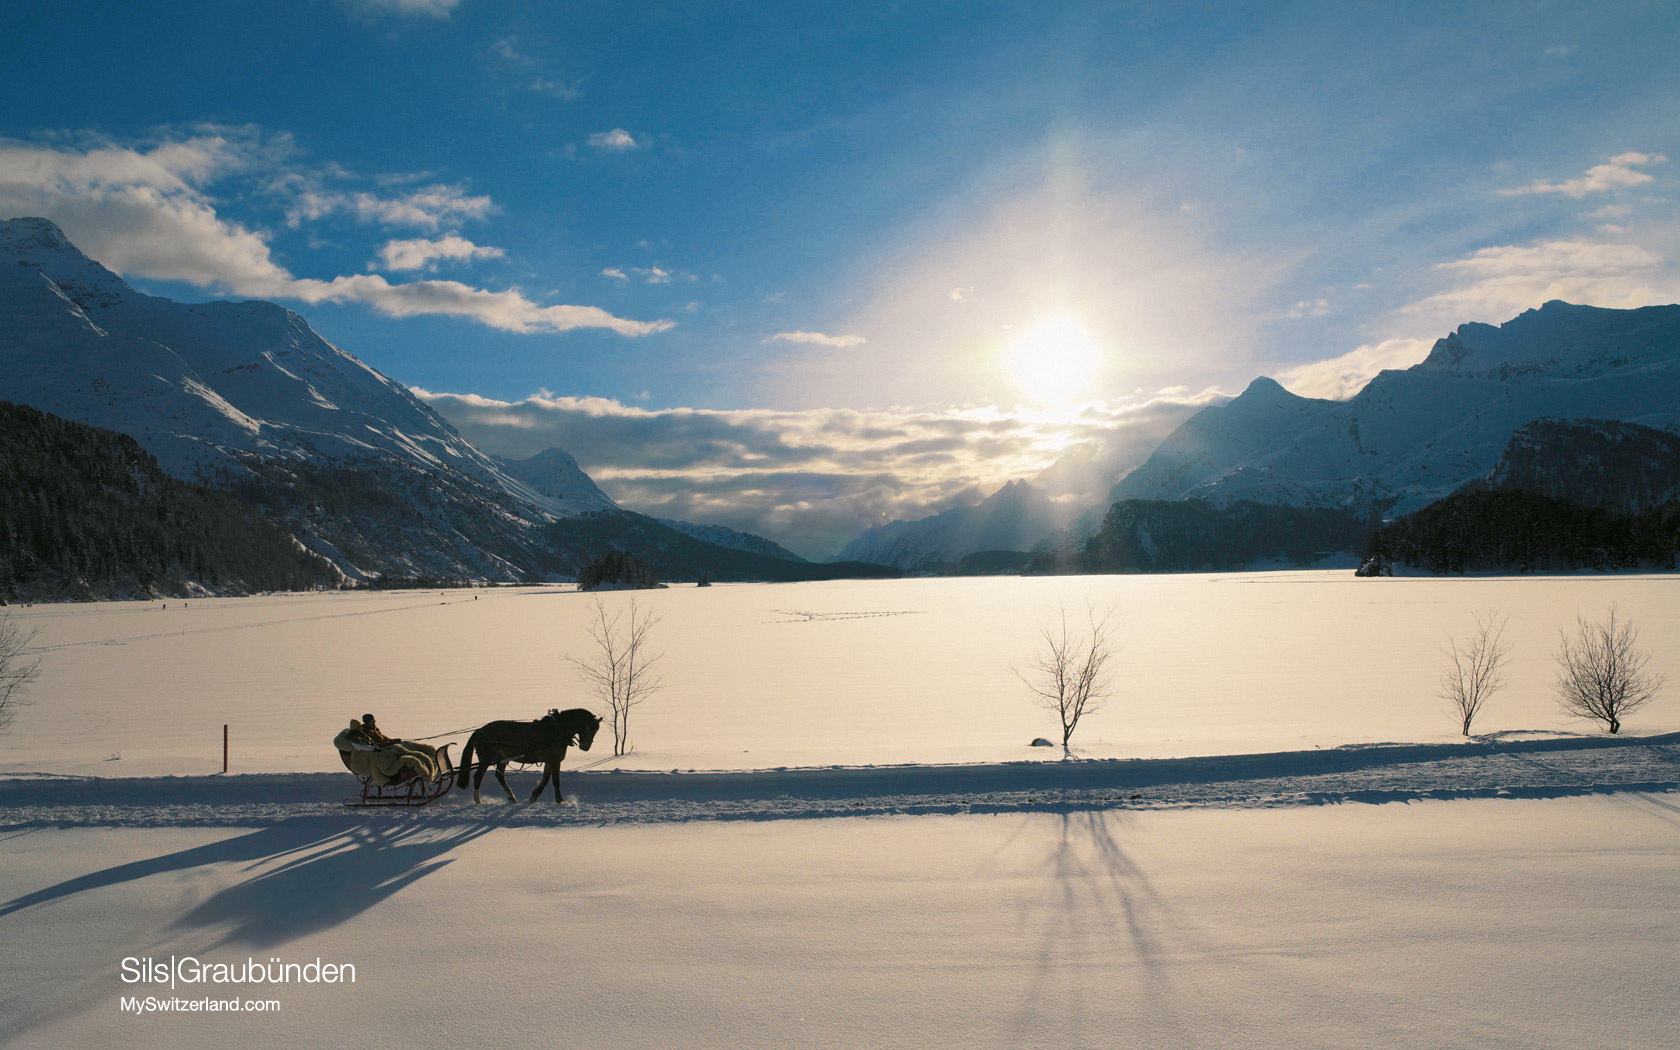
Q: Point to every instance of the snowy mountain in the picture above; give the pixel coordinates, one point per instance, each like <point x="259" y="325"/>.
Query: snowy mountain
<point x="554" y="474"/>
<point x="247" y="397"/>
<point x="731" y="539"/>
<point x="1411" y="437"/>
<point x="1014" y="518"/>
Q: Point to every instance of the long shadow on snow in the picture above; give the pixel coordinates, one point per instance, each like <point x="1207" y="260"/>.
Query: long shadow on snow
<point x="307" y="874"/>
<point x="303" y="875"/>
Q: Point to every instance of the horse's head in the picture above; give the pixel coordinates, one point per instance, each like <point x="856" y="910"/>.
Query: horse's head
<point x="578" y="725"/>
<point x="587" y="728"/>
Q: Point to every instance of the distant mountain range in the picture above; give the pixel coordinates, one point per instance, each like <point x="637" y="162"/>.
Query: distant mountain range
<point x="1015" y="517"/>
<point x="1409" y="438"/>
<point x="1563" y="402"/>
<point x="247" y="398"/>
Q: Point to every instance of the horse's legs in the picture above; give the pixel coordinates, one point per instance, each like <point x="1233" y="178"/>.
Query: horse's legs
<point x="548" y="771"/>
<point x="501" y="767"/>
<point x="478" y="779"/>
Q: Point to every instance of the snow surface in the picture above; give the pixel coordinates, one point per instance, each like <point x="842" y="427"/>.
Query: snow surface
<point x="843" y="672"/>
<point x="834" y="832"/>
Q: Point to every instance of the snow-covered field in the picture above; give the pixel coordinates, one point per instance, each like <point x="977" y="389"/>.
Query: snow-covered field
<point x="833" y="832"/>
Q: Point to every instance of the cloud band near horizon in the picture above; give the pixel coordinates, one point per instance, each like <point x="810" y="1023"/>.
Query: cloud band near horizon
<point x="811" y="480"/>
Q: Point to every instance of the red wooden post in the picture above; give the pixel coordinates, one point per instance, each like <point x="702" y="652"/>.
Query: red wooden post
<point x="224" y="747"/>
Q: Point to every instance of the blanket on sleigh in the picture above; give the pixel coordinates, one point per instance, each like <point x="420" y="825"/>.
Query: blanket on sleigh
<point x="391" y="764"/>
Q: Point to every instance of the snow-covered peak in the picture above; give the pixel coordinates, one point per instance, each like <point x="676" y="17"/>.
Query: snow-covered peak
<point x="555" y="474"/>
<point x="1412" y="436"/>
<point x="31" y="245"/>
<point x="1559" y="338"/>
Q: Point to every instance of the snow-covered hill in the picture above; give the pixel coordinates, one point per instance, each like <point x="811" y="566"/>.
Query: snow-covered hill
<point x="1013" y="518"/>
<point x="1413" y="436"/>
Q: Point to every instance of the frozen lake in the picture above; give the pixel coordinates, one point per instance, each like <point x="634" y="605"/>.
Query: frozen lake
<point x="769" y="675"/>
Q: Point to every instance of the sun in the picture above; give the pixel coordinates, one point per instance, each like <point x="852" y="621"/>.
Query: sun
<point x="1055" y="361"/>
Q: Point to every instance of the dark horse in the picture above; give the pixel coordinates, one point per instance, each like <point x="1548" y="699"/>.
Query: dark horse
<point x="545" y="741"/>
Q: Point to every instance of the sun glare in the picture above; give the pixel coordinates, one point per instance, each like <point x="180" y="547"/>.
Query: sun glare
<point x="1055" y="361"/>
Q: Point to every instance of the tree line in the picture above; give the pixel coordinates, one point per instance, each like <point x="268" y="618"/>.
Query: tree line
<point x="87" y="513"/>
<point x="1509" y="530"/>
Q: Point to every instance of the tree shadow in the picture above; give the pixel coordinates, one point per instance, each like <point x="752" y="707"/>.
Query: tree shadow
<point x="1103" y="912"/>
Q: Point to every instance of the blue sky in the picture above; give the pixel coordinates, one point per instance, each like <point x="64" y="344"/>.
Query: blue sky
<point x="823" y="229"/>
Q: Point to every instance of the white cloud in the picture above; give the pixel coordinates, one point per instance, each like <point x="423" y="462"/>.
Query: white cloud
<point x="421" y="8"/>
<point x="509" y="54"/>
<point x="647" y="274"/>
<point x="615" y="141"/>
<point x="148" y="212"/>
<point x="507" y="310"/>
<point x="422" y="254"/>
<point x="1309" y="308"/>
<point x="819" y="339"/>
<point x="1340" y="378"/>
<point x="427" y="208"/>
<point x="1496" y="283"/>
<point x="1617" y="173"/>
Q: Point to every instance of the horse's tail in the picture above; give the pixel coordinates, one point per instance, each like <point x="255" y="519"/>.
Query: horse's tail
<point x="466" y="761"/>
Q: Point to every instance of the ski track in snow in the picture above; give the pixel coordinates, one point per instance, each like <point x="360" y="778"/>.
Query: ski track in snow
<point x="1374" y="773"/>
<point x="224" y="628"/>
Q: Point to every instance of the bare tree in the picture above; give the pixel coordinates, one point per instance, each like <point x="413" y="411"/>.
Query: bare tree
<point x="619" y="669"/>
<point x="1473" y="668"/>
<point x="1069" y="674"/>
<point x="16" y="673"/>
<point x="1601" y="672"/>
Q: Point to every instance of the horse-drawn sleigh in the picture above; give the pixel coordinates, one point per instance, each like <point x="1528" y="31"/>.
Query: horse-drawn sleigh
<point x="407" y="773"/>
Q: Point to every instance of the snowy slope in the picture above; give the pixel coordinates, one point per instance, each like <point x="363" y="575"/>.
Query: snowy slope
<point x="247" y="395"/>
<point x="1413" y="436"/>
<point x="1013" y="518"/>
<point x="196" y="383"/>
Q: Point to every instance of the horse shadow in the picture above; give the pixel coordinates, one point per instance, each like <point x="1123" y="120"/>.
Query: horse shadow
<point x="293" y="878"/>
<point x="325" y="882"/>
<point x="303" y="875"/>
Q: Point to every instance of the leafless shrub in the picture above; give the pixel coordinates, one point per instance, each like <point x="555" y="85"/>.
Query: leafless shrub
<point x="619" y="668"/>
<point x="16" y="672"/>
<point x="1602" y="673"/>
<point x="1069" y="674"/>
<point x="1473" y="668"/>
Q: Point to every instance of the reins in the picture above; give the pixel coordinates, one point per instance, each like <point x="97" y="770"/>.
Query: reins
<point x="455" y="732"/>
